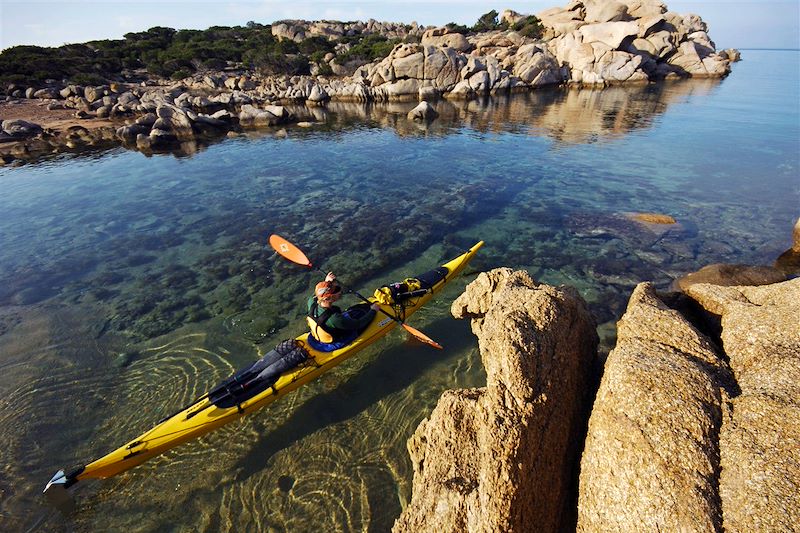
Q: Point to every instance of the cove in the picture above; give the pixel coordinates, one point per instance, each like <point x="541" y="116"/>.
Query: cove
<point x="130" y="284"/>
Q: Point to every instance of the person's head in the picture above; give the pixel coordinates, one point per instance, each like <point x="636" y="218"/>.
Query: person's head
<point x="327" y="292"/>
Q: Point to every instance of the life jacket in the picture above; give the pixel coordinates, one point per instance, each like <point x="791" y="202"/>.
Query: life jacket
<point x="317" y="323"/>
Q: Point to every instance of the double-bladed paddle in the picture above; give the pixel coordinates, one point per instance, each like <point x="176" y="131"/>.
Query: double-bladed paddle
<point x="291" y="252"/>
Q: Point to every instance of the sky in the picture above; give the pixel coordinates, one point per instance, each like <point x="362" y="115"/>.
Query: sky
<point x="732" y="24"/>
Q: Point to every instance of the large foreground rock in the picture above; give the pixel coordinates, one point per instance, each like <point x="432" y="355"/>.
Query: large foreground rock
<point x="651" y="459"/>
<point x="761" y="443"/>
<point x="681" y="440"/>
<point x="502" y="457"/>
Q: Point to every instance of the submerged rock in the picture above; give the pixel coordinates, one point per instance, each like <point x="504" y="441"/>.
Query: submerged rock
<point x="654" y="218"/>
<point x="500" y="458"/>
<point x="727" y="275"/>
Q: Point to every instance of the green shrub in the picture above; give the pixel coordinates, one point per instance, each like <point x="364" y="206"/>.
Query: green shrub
<point x="529" y="27"/>
<point x="272" y="62"/>
<point x="369" y="48"/>
<point x="456" y="28"/>
<point x="487" y="22"/>
<point x="87" y="78"/>
<point x="314" y="45"/>
<point x="318" y="56"/>
<point x="180" y="74"/>
<point x="213" y="63"/>
<point x="166" y="52"/>
<point x="324" y="69"/>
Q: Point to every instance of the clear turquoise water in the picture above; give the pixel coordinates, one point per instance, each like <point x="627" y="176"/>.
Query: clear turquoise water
<point x="130" y="284"/>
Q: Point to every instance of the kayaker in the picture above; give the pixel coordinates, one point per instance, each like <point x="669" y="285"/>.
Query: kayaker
<point x="327" y="321"/>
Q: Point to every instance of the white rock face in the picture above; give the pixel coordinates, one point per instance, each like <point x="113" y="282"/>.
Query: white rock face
<point x="441" y="37"/>
<point x="610" y="33"/>
<point x="605" y="11"/>
<point x="462" y="89"/>
<point x="586" y="42"/>
<point x="510" y="17"/>
<point x="317" y="95"/>
<point x="410" y="66"/>
<point x="642" y="28"/>
<point x="645" y="8"/>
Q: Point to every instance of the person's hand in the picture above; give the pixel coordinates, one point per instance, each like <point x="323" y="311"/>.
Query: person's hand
<point x="375" y="307"/>
<point x="330" y="277"/>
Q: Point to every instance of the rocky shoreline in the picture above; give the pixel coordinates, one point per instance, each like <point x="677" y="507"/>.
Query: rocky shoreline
<point x="587" y="43"/>
<point x="695" y="424"/>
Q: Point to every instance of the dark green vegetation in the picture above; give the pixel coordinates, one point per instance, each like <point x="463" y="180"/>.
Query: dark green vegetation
<point x="170" y="53"/>
<point x="369" y="48"/>
<point x="529" y="26"/>
<point x="166" y="52"/>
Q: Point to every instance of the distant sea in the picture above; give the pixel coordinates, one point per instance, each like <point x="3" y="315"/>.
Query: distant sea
<point x="131" y="284"/>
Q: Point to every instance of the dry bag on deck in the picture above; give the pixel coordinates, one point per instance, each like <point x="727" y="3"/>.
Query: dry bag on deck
<point x="409" y="287"/>
<point x="259" y="376"/>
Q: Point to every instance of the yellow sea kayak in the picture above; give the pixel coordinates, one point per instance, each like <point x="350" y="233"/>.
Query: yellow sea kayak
<point x="290" y="365"/>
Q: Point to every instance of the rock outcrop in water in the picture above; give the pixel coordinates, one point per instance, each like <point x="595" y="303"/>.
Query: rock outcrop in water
<point x="586" y="43"/>
<point x="692" y="429"/>
<point x="727" y="275"/>
<point x="500" y="458"/>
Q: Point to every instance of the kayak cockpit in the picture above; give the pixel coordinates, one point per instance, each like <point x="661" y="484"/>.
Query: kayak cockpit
<point x="259" y="376"/>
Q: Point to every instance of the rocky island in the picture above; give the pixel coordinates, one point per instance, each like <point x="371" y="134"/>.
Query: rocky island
<point x="587" y="43"/>
<point x="695" y="425"/>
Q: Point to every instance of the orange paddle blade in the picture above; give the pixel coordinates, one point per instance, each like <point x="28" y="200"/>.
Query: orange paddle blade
<point x="288" y="250"/>
<point x="422" y="337"/>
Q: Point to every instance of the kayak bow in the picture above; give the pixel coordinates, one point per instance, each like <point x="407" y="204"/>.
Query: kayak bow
<point x="261" y="384"/>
